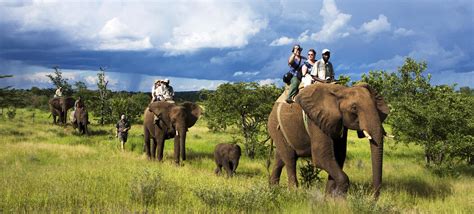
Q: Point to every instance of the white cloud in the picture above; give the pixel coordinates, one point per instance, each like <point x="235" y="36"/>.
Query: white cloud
<point x="403" y="32"/>
<point x="118" y="36"/>
<point x="276" y="82"/>
<point x="245" y="74"/>
<point x="376" y="26"/>
<point x="303" y="37"/>
<point x="335" y="23"/>
<point x="282" y="41"/>
<point x="222" y="25"/>
<point x="176" y="28"/>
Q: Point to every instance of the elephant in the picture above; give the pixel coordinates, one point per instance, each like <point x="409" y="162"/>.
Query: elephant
<point x="81" y="120"/>
<point x="321" y="131"/>
<point x="172" y="121"/>
<point x="59" y="107"/>
<point x="227" y="156"/>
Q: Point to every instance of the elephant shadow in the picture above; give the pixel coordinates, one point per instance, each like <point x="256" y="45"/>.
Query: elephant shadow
<point x="195" y="155"/>
<point x="418" y="188"/>
<point x="93" y="132"/>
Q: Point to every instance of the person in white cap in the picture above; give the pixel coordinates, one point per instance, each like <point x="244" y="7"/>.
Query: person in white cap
<point x="168" y="92"/>
<point x="59" y="92"/>
<point x="324" y="69"/>
<point x="122" y="130"/>
<point x="157" y="91"/>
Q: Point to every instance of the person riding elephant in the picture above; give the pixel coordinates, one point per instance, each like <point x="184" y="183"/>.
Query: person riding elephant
<point x="321" y="131"/>
<point x="59" y="107"/>
<point x="173" y="122"/>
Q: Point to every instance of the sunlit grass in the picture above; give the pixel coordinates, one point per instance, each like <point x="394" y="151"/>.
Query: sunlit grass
<point x="53" y="169"/>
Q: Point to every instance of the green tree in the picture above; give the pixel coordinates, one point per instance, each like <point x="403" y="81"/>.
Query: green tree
<point x="344" y="80"/>
<point x="246" y="105"/>
<point x="435" y="117"/>
<point x="8" y="96"/>
<point x="59" y="81"/>
<point x="103" y="109"/>
<point x="132" y="106"/>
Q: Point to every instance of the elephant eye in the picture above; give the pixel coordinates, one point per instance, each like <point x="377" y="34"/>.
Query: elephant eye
<point x="354" y="107"/>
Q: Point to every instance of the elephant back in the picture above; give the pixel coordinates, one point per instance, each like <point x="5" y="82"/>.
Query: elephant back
<point x="67" y="102"/>
<point x="54" y="102"/>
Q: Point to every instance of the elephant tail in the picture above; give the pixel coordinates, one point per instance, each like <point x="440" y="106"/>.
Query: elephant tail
<point x="270" y="151"/>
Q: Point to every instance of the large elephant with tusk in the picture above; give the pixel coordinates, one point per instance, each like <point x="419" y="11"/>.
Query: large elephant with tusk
<point x="163" y="120"/>
<point x="321" y="131"/>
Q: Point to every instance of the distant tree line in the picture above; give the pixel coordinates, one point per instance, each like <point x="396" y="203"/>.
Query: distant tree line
<point x="104" y="104"/>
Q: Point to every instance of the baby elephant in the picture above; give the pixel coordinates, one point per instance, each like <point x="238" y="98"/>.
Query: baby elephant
<point x="227" y="156"/>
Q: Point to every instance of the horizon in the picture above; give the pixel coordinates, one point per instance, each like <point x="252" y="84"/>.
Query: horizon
<point x="224" y="41"/>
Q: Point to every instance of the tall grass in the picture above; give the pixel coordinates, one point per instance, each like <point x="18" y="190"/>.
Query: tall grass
<point x="46" y="168"/>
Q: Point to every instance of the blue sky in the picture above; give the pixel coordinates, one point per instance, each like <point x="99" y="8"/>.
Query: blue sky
<point x="201" y="44"/>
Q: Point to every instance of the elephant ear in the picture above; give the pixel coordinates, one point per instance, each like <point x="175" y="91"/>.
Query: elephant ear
<point x="193" y="112"/>
<point x="320" y="104"/>
<point x="382" y="107"/>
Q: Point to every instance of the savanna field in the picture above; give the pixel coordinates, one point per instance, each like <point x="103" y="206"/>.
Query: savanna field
<point x="48" y="168"/>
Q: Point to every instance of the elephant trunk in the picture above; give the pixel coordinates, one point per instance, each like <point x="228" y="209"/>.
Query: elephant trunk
<point x="376" y="149"/>
<point x="182" y="137"/>
<point x="372" y="129"/>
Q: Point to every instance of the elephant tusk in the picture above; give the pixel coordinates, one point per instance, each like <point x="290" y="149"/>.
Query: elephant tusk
<point x="367" y="135"/>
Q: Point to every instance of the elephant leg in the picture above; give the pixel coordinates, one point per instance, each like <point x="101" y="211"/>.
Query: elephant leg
<point x="235" y="163"/>
<point x="291" y="171"/>
<point x="147" y="143"/>
<point x="276" y="172"/>
<point x="153" y="149"/>
<point x="340" y="152"/>
<point x="160" y="147"/>
<point x="218" y="169"/>
<point x="227" y="167"/>
<point x="324" y="156"/>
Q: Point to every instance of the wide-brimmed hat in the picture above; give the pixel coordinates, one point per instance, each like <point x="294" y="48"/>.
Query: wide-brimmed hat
<point x="325" y="51"/>
<point x="157" y="81"/>
<point x="166" y="81"/>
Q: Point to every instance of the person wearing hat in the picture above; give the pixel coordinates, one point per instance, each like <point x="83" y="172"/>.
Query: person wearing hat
<point x="59" y="92"/>
<point x="168" y="92"/>
<point x="295" y="63"/>
<point x="122" y="130"/>
<point x="157" y="91"/>
<point x="324" y="69"/>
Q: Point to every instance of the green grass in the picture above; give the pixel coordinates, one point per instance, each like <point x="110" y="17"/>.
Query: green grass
<point x="46" y="168"/>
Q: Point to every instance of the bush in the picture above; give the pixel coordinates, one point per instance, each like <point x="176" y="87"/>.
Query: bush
<point x="11" y="113"/>
<point x="309" y="175"/>
<point x="258" y="197"/>
<point x="362" y="201"/>
<point x="144" y="188"/>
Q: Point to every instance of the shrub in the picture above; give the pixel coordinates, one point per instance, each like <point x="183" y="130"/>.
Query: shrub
<point x="11" y="113"/>
<point x="309" y="175"/>
<point x="144" y="188"/>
